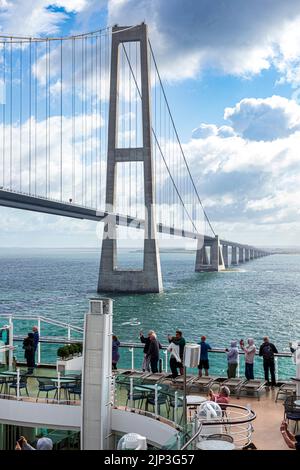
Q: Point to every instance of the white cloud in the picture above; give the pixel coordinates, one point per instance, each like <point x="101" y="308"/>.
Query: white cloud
<point x="264" y="119"/>
<point x="251" y="187"/>
<point x="35" y="17"/>
<point x="240" y="38"/>
<point x="209" y="130"/>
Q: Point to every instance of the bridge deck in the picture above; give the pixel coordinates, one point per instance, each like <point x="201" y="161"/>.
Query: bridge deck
<point x="51" y="206"/>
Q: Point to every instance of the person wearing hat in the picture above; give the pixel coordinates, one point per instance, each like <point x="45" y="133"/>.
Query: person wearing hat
<point x="204" y="363"/>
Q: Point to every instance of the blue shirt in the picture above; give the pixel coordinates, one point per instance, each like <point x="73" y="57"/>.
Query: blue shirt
<point x="204" y="350"/>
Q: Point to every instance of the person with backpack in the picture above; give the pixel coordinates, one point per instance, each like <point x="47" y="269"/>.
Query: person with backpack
<point x="267" y="351"/>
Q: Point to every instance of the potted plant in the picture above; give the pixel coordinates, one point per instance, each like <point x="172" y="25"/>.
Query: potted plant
<point x="69" y="358"/>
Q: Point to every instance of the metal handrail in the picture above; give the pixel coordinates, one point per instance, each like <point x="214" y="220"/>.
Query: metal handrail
<point x="128" y="344"/>
<point x="41" y="318"/>
<point x="223" y="422"/>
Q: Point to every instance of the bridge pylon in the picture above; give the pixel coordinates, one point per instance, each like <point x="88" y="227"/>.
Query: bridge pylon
<point x="112" y="279"/>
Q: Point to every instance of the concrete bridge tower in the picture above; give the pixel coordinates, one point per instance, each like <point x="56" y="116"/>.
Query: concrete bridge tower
<point x="112" y="279"/>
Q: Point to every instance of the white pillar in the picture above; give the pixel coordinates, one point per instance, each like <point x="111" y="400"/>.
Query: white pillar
<point x="97" y="374"/>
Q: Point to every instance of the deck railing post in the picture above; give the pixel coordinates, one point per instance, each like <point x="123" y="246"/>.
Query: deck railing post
<point x="131" y="393"/>
<point x="18" y="383"/>
<point x="276" y="368"/>
<point x="132" y="358"/>
<point x="58" y="387"/>
<point x="11" y="342"/>
<point x="39" y="343"/>
<point x="176" y="407"/>
<point x="156" y="401"/>
<point x="166" y="359"/>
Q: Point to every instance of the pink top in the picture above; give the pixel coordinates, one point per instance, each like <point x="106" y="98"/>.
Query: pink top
<point x="220" y="399"/>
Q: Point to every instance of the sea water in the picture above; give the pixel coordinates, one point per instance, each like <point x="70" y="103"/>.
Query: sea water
<point x="258" y="298"/>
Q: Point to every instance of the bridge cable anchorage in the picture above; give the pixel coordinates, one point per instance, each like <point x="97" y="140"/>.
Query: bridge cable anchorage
<point x="178" y="140"/>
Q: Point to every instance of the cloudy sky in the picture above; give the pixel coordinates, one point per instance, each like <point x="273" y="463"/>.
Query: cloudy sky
<point x="232" y="75"/>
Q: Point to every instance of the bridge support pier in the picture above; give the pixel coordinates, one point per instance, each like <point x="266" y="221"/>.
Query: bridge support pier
<point x="216" y="262"/>
<point x="111" y="279"/>
<point x="247" y="254"/>
<point x="251" y="254"/>
<point x="234" y="260"/>
<point x="225" y="255"/>
<point x="241" y="255"/>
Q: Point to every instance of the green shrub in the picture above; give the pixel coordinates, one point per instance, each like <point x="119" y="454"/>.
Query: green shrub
<point x="63" y="352"/>
<point x="69" y="350"/>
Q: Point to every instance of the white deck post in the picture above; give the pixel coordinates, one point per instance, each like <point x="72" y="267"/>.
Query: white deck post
<point x="96" y="376"/>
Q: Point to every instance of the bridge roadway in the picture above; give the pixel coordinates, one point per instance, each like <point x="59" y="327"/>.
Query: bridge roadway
<point x="24" y="201"/>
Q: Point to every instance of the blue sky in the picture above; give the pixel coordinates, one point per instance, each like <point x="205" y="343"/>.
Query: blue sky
<point x="233" y="64"/>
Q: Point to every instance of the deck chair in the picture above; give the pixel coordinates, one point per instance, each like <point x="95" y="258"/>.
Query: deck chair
<point x="154" y="378"/>
<point x="252" y="386"/>
<point x="136" y="374"/>
<point x="204" y="383"/>
<point x="234" y="384"/>
<point x="180" y="379"/>
<point x="286" y="389"/>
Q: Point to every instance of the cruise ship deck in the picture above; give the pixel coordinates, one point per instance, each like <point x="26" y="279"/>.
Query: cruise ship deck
<point x="266" y="434"/>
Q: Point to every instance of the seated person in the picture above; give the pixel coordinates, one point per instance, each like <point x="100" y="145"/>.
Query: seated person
<point x="222" y="397"/>
<point x="293" y="442"/>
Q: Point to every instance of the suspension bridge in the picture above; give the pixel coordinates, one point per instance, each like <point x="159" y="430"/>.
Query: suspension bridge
<point x="87" y="132"/>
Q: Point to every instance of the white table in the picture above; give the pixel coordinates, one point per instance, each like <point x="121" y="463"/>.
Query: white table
<point x="195" y="400"/>
<point x="215" y="444"/>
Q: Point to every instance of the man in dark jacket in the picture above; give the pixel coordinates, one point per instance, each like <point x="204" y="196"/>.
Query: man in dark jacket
<point x="36" y="338"/>
<point x="267" y="351"/>
<point x="28" y="346"/>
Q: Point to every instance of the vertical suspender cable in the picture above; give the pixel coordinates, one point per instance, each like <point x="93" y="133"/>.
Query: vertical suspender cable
<point x="21" y="110"/>
<point x="73" y="119"/>
<point x="82" y="120"/>
<point x="11" y="117"/>
<point x="46" y="118"/>
<point x="29" y="114"/>
<point x="97" y="124"/>
<point x="35" y="119"/>
<point x="61" y="126"/>
<point x="129" y="82"/>
<point x="136" y="129"/>
<point x="100" y="126"/>
<point x="85" y="120"/>
<point x="3" y="115"/>
<point x="92" y="114"/>
<point x="49" y="117"/>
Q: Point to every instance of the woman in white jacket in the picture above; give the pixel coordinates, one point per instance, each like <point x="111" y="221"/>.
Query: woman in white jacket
<point x="249" y="351"/>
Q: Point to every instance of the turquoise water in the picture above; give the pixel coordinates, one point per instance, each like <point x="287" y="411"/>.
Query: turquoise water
<point x="260" y="297"/>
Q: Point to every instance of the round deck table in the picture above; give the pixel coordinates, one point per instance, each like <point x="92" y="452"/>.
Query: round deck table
<point x="215" y="444"/>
